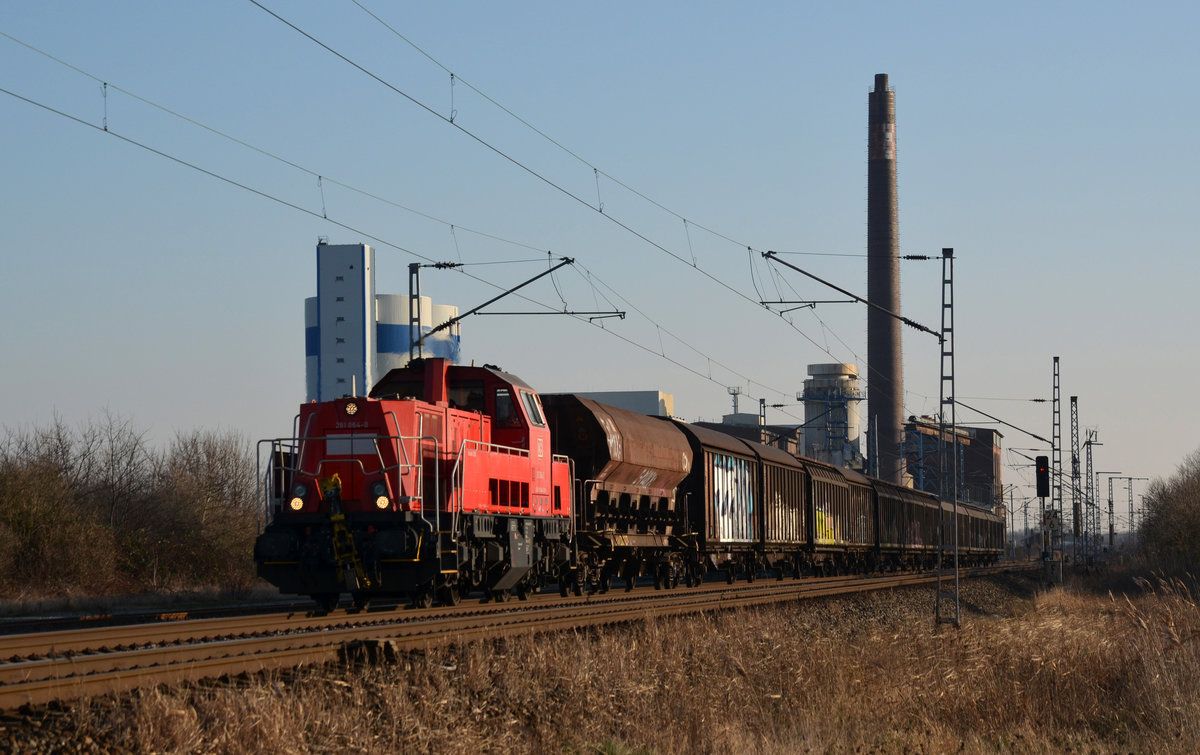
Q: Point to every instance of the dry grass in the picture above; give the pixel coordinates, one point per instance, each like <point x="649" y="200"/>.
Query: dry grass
<point x="1059" y="671"/>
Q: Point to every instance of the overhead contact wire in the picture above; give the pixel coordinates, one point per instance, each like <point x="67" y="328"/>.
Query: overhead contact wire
<point x="482" y="142"/>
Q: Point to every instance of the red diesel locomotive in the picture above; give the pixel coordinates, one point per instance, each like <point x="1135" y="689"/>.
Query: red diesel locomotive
<point x="440" y="482"/>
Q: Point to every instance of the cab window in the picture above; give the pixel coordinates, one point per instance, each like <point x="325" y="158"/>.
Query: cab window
<point x="466" y="394"/>
<point x="533" y="408"/>
<point x="506" y="410"/>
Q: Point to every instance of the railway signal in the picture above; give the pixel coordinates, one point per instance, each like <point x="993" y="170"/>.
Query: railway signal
<point x="1042" y="464"/>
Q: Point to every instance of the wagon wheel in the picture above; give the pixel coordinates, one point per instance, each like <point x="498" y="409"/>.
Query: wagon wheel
<point x="606" y="575"/>
<point x="673" y="569"/>
<point x="326" y="601"/>
<point x="362" y="600"/>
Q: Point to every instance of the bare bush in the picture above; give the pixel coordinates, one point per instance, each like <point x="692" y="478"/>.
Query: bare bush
<point x="97" y="511"/>
<point x="55" y="543"/>
<point x="207" y="497"/>
<point x="1170" y="533"/>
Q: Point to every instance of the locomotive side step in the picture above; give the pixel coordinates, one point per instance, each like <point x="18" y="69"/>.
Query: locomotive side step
<point x="447" y="552"/>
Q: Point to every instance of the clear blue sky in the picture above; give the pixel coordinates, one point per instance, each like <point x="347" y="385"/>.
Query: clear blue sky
<point x="1053" y="146"/>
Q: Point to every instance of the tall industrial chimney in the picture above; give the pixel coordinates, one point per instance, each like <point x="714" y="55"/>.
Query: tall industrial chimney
<point x="885" y="378"/>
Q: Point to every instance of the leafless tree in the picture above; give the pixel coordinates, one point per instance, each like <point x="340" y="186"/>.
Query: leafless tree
<point x="1170" y="532"/>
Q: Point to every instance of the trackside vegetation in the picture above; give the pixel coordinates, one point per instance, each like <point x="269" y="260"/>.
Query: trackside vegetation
<point x="97" y="511"/>
<point x="1169" y="534"/>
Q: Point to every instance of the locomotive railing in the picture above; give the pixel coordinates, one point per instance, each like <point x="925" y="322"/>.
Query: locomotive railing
<point x="454" y="496"/>
<point x="286" y="460"/>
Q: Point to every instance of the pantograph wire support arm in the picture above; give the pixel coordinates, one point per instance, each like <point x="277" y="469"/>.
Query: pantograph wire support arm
<point x="912" y="324"/>
<point x="454" y="320"/>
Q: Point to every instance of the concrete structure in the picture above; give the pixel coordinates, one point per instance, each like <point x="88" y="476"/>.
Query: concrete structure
<point x="831" y="426"/>
<point x="979" y="473"/>
<point x="354" y="336"/>
<point x="885" y="384"/>
<point x="741" y="419"/>
<point x="785" y="437"/>
<point x="339" y="347"/>
<point x="392" y="330"/>
<point x="653" y="403"/>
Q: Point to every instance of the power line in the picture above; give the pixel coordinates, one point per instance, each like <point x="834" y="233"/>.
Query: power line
<point x="323" y="215"/>
<point x="499" y="152"/>
<point x="597" y="208"/>
<point x="377" y="239"/>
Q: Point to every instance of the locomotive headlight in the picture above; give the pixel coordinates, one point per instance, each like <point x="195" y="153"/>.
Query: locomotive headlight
<point x="379" y="490"/>
<point x="299" y="493"/>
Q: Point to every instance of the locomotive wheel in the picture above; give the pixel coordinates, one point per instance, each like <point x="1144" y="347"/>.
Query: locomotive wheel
<point x="362" y="600"/>
<point x="424" y="598"/>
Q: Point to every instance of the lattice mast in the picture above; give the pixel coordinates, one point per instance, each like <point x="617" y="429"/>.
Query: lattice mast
<point x="1076" y="513"/>
<point x="1132" y="521"/>
<point x="1093" y="534"/>
<point x="1112" y="527"/>
<point x="946" y="608"/>
<point x="1056" y="471"/>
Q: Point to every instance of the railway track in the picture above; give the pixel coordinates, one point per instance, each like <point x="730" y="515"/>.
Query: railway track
<point x="76" y="621"/>
<point x="44" y="667"/>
